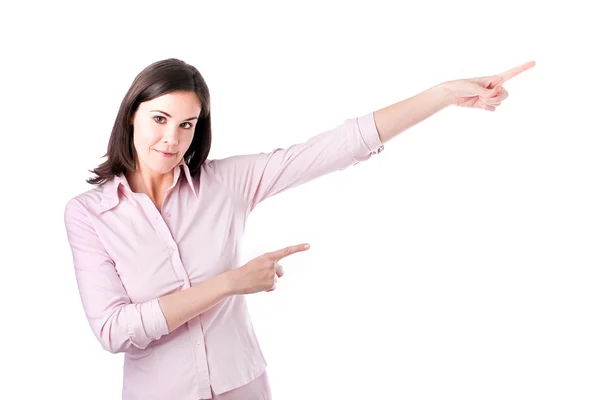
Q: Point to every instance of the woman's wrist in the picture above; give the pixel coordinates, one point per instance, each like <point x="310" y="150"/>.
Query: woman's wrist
<point x="228" y="283"/>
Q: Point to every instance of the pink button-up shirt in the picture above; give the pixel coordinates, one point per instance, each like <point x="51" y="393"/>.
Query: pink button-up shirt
<point x="127" y="254"/>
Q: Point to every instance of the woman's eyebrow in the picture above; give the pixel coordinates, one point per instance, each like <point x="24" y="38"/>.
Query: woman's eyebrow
<point x="189" y="119"/>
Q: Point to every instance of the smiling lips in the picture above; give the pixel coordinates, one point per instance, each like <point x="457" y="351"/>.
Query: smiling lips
<point x="165" y="154"/>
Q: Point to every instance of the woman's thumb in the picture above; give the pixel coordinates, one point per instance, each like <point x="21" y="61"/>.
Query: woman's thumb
<point x="481" y="91"/>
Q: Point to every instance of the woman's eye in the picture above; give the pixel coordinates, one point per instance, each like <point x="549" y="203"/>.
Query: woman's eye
<point x="161" y="120"/>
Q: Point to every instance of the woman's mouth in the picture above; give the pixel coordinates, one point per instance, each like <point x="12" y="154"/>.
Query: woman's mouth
<point x="165" y="154"/>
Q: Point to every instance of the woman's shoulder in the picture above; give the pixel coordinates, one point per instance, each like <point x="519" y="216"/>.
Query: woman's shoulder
<point x="89" y="200"/>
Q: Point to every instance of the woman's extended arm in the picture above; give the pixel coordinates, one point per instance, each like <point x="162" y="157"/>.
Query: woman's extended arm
<point x="485" y="93"/>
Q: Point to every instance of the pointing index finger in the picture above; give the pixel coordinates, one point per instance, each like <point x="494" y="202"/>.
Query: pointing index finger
<point x="511" y="73"/>
<point x="287" y="251"/>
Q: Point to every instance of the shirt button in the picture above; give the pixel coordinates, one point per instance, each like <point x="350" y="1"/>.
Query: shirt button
<point x="168" y="215"/>
<point x="198" y="343"/>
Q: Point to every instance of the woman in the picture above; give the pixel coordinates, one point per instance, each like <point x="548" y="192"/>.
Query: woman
<point x="155" y="242"/>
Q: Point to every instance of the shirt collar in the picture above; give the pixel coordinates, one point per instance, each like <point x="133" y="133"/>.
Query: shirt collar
<point x="110" y="189"/>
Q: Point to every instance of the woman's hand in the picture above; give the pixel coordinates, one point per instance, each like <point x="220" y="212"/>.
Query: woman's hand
<point x="485" y="92"/>
<point x="261" y="273"/>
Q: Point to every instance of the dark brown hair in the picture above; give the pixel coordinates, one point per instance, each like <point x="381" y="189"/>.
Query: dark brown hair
<point x="155" y="80"/>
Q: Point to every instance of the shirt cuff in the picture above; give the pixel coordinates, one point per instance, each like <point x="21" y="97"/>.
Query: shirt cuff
<point x="160" y="322"/>
<point x="146" y="323"/>
<point x="369" y="133"/>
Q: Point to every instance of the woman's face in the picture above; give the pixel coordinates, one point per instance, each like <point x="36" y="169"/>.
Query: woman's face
<point x="163" y="129"/>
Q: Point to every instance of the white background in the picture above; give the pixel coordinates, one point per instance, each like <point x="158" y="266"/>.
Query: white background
<point x="462" y="262"/>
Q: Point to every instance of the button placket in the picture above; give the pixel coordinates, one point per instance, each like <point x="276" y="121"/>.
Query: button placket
<point x="176" y="262"/>
<point x="195" y="328"/>
<point x="161" y="229"/>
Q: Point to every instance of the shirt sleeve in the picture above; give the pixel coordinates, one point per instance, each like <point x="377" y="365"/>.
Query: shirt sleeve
<point x="118" y="324"/>
<point x="256" y="177"/>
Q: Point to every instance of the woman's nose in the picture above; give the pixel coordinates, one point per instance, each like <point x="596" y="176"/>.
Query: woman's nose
<point x="171" y="137"/>
<point x="171" y="140"/>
